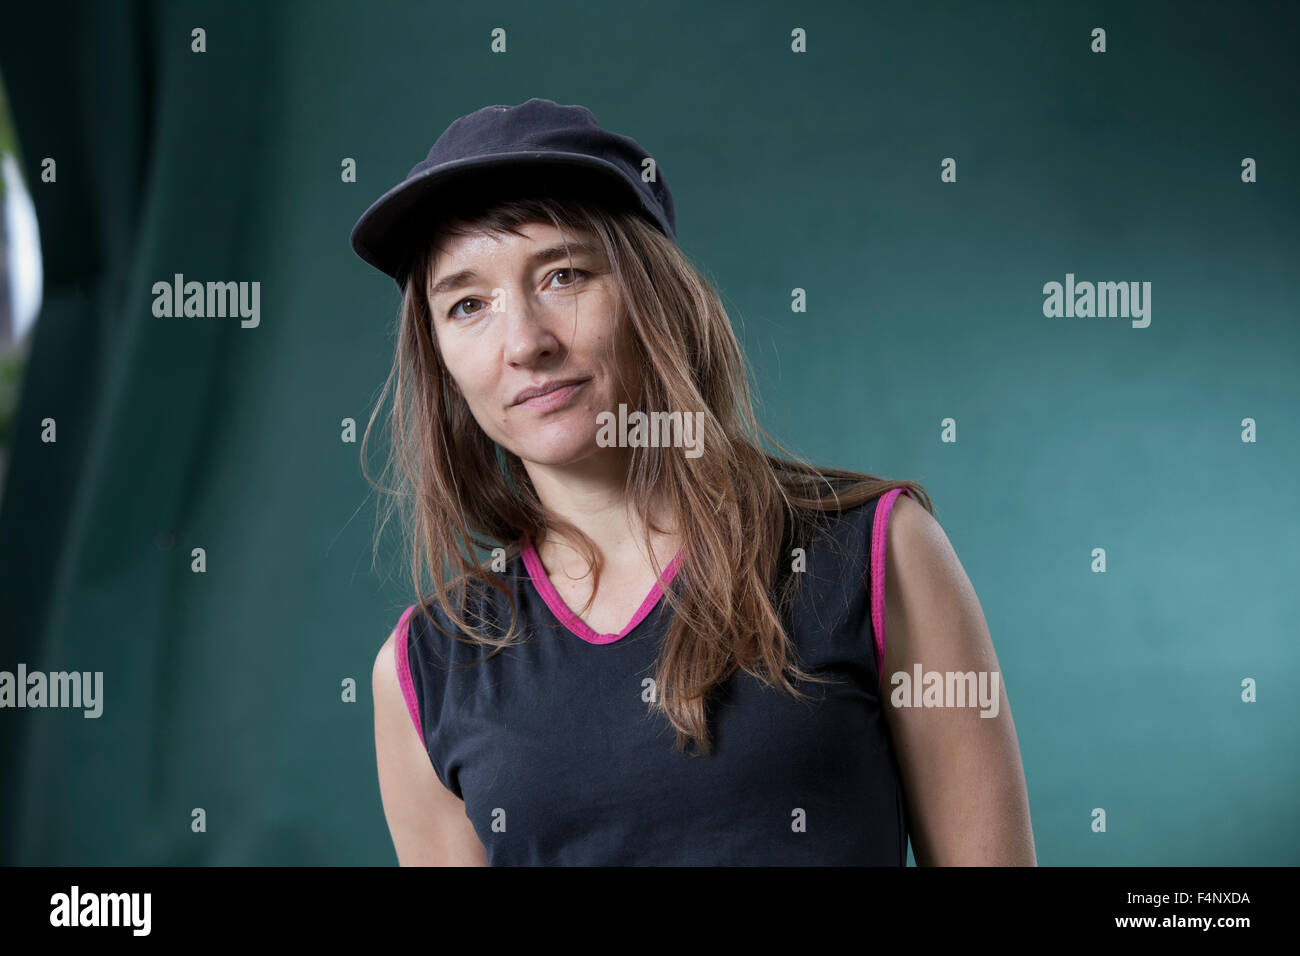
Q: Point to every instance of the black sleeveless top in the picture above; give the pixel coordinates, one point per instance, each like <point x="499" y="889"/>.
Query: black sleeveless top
<point x="553" y="749"/>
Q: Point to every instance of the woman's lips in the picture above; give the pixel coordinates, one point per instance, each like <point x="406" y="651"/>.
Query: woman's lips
<point x="552" y="399"/>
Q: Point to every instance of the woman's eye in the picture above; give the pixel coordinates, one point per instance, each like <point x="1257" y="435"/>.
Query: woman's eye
<point x="574" y="272"/>
<point x="453" y="315"/>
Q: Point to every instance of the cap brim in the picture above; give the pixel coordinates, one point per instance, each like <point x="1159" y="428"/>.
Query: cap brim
<point x="389" y="231"/>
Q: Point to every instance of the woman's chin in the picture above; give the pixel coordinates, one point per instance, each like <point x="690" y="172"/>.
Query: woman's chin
<point x="560" y="452"/>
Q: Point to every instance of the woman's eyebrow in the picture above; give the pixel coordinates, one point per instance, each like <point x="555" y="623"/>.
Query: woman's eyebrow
<point x="550" y="254"/>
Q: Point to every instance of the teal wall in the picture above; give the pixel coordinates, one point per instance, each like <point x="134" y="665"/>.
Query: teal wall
<point x="818" y="171"/>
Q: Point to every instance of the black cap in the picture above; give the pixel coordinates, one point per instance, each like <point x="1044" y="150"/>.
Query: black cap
<point x="537" y="147"/>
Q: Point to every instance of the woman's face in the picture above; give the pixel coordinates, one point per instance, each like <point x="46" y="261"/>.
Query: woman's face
<point x="515" y="315"/>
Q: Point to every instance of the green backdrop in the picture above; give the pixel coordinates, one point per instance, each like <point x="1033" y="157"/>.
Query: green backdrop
<point x="819" y="171"/>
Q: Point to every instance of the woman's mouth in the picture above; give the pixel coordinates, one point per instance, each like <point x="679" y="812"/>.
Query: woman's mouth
<point x="552" y="396"/>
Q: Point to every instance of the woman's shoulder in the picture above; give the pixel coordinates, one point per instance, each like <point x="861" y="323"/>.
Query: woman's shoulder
<point x="851" y="518"/>
<point x="482" y="597"/>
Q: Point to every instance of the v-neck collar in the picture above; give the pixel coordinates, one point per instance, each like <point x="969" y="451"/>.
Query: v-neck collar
<point x="565" y="615"/>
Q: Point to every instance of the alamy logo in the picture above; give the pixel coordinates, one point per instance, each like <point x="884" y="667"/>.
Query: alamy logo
<point x="214" y="300"/>
<point x="56" y="689"/>
<point x="102" y="909"/>
<point x="1102" y="300"/>
<point x="656" y="430"/>
<point x="946" y="689"/>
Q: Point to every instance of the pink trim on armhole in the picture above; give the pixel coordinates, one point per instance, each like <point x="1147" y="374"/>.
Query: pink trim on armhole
<point x="404" y="668"/>
<point x="879" y="529"/>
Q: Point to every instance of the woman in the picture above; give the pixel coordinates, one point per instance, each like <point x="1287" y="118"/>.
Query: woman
<point x="648" y="641"/>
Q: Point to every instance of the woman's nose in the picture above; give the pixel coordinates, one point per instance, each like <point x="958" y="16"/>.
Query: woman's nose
<point x="528" y="330"/>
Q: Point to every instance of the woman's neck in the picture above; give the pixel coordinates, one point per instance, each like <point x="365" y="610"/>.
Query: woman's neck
<point x="594" y="501"/>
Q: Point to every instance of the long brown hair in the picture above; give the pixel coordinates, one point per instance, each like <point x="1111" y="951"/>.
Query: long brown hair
<point x="733" y="506"/>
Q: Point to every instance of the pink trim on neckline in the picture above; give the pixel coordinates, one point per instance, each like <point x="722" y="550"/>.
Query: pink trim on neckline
<point x="566" y="616"/>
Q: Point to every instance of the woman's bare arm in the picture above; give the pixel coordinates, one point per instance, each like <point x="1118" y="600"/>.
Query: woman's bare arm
<point x="427" y="821"/>
<point x="963" y="781"/>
